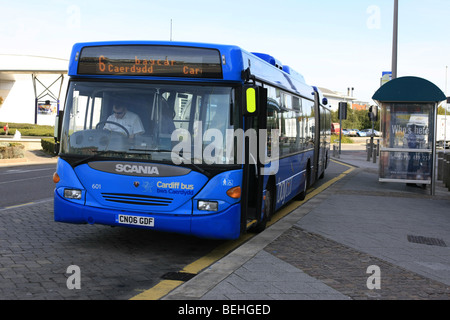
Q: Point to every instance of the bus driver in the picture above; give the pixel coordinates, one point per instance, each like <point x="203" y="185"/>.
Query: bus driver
<point x="125" y="118"/>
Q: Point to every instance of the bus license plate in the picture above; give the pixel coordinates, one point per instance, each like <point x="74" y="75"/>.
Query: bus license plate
<point x="135" y="220"/>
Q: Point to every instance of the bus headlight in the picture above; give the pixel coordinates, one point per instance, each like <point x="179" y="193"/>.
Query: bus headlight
<point x="208" y="205"/>
<point x="72" y="194"/>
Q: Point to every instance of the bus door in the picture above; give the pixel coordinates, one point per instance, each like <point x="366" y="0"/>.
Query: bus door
<point x="255" y="119"/>
<point x="317" y="137"/>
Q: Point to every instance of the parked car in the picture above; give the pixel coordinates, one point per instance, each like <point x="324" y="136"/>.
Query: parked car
<point x="361" y="133"/>
<point x="335" y="128"/>
<point x="369" y="133"/>
<point x="353" y="132"/>
<point x="345" y="132"/>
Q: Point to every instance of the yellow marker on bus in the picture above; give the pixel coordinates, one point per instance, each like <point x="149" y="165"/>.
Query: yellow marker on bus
<point x="251" y="100"/>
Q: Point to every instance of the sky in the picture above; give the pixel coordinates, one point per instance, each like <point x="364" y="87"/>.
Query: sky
<point x="334" y="44"/>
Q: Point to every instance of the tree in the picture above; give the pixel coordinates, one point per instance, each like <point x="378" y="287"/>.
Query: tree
<point x="356" y="119"/>
<point x="441" y="110"/>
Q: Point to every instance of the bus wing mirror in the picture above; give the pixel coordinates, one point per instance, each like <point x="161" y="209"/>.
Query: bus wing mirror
<point x="58" y="127"/>
<point x="58" y="124"/>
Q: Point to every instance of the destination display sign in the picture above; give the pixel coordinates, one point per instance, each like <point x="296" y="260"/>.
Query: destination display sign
<point x="150" y="60"/>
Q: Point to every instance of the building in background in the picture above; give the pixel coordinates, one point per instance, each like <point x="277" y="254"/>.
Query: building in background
<point x="32" y="88"/>
<point x="360" y="105"/>
<point x="335" y="97"/>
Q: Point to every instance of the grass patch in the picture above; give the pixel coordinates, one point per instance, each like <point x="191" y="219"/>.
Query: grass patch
<point x="26" y="129"/>
<point x="345" y="139"/>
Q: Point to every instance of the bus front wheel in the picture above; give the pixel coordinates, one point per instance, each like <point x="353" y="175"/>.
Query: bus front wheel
<point x="302" y="195"/>
<point x="268" y="211"/>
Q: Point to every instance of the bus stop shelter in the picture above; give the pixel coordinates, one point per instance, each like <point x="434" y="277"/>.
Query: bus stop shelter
<point x="408" y="124"/>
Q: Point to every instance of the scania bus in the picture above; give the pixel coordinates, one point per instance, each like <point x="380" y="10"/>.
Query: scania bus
<point x="226" y="137"/>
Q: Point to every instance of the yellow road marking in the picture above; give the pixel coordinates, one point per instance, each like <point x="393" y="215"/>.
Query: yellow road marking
<point x="158" y="291"/>
<point x="217" y="254"/>
<point x="19" y="205"/>
<point x="166" y="286"/>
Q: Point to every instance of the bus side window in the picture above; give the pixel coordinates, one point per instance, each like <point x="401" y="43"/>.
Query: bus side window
<point x="272" y="124"/>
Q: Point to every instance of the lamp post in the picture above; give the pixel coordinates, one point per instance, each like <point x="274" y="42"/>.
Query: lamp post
<point x="395" y="41"/>
<point x="446" y="108"/>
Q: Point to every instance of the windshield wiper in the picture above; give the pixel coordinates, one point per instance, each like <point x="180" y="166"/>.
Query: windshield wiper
<point x="91" y="157"/>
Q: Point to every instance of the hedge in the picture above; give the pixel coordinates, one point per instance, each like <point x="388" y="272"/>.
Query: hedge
<point x="48" y="145"/>
<point x="11" y="150"/>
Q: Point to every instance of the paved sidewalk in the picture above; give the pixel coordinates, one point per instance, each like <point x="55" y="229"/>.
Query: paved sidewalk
<point x="327" y="248"/>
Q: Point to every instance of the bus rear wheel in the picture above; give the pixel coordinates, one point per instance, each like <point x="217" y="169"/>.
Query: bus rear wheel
<point x="302" y="195"/>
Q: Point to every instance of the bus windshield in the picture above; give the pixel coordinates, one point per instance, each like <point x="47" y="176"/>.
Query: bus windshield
<point x="136" y="121"/>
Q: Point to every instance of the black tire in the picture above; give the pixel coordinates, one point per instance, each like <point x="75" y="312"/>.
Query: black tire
<point x="268" y="211"/>
<point x="302" y="195"/>
<point x="322" y="175"/>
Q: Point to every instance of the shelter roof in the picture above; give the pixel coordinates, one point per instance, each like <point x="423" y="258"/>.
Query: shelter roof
<point x="17" y="64"/>
<point x="409" y="89"/>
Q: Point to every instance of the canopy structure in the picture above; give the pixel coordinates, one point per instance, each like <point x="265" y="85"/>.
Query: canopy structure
<point x="47" y="76"/>
<point x="26" y="64"/>
<point x="409" y="89"/>
<point x="408" y="125"/>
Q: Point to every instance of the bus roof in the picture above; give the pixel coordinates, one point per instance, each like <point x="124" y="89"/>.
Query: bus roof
<point x="227" y="64"/>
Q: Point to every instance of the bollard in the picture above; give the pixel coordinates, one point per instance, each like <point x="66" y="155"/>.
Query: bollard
<point x="440" y="173"/>
<point x="447" y="170"/>
<point x="374" y="154"/>
<point x="444" y="170"/>
<point x="369" y="151"/>
<point x="336" y="151"/>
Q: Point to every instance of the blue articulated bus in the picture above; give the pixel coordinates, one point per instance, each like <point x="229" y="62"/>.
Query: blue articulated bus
<point x="199" y="139"/>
